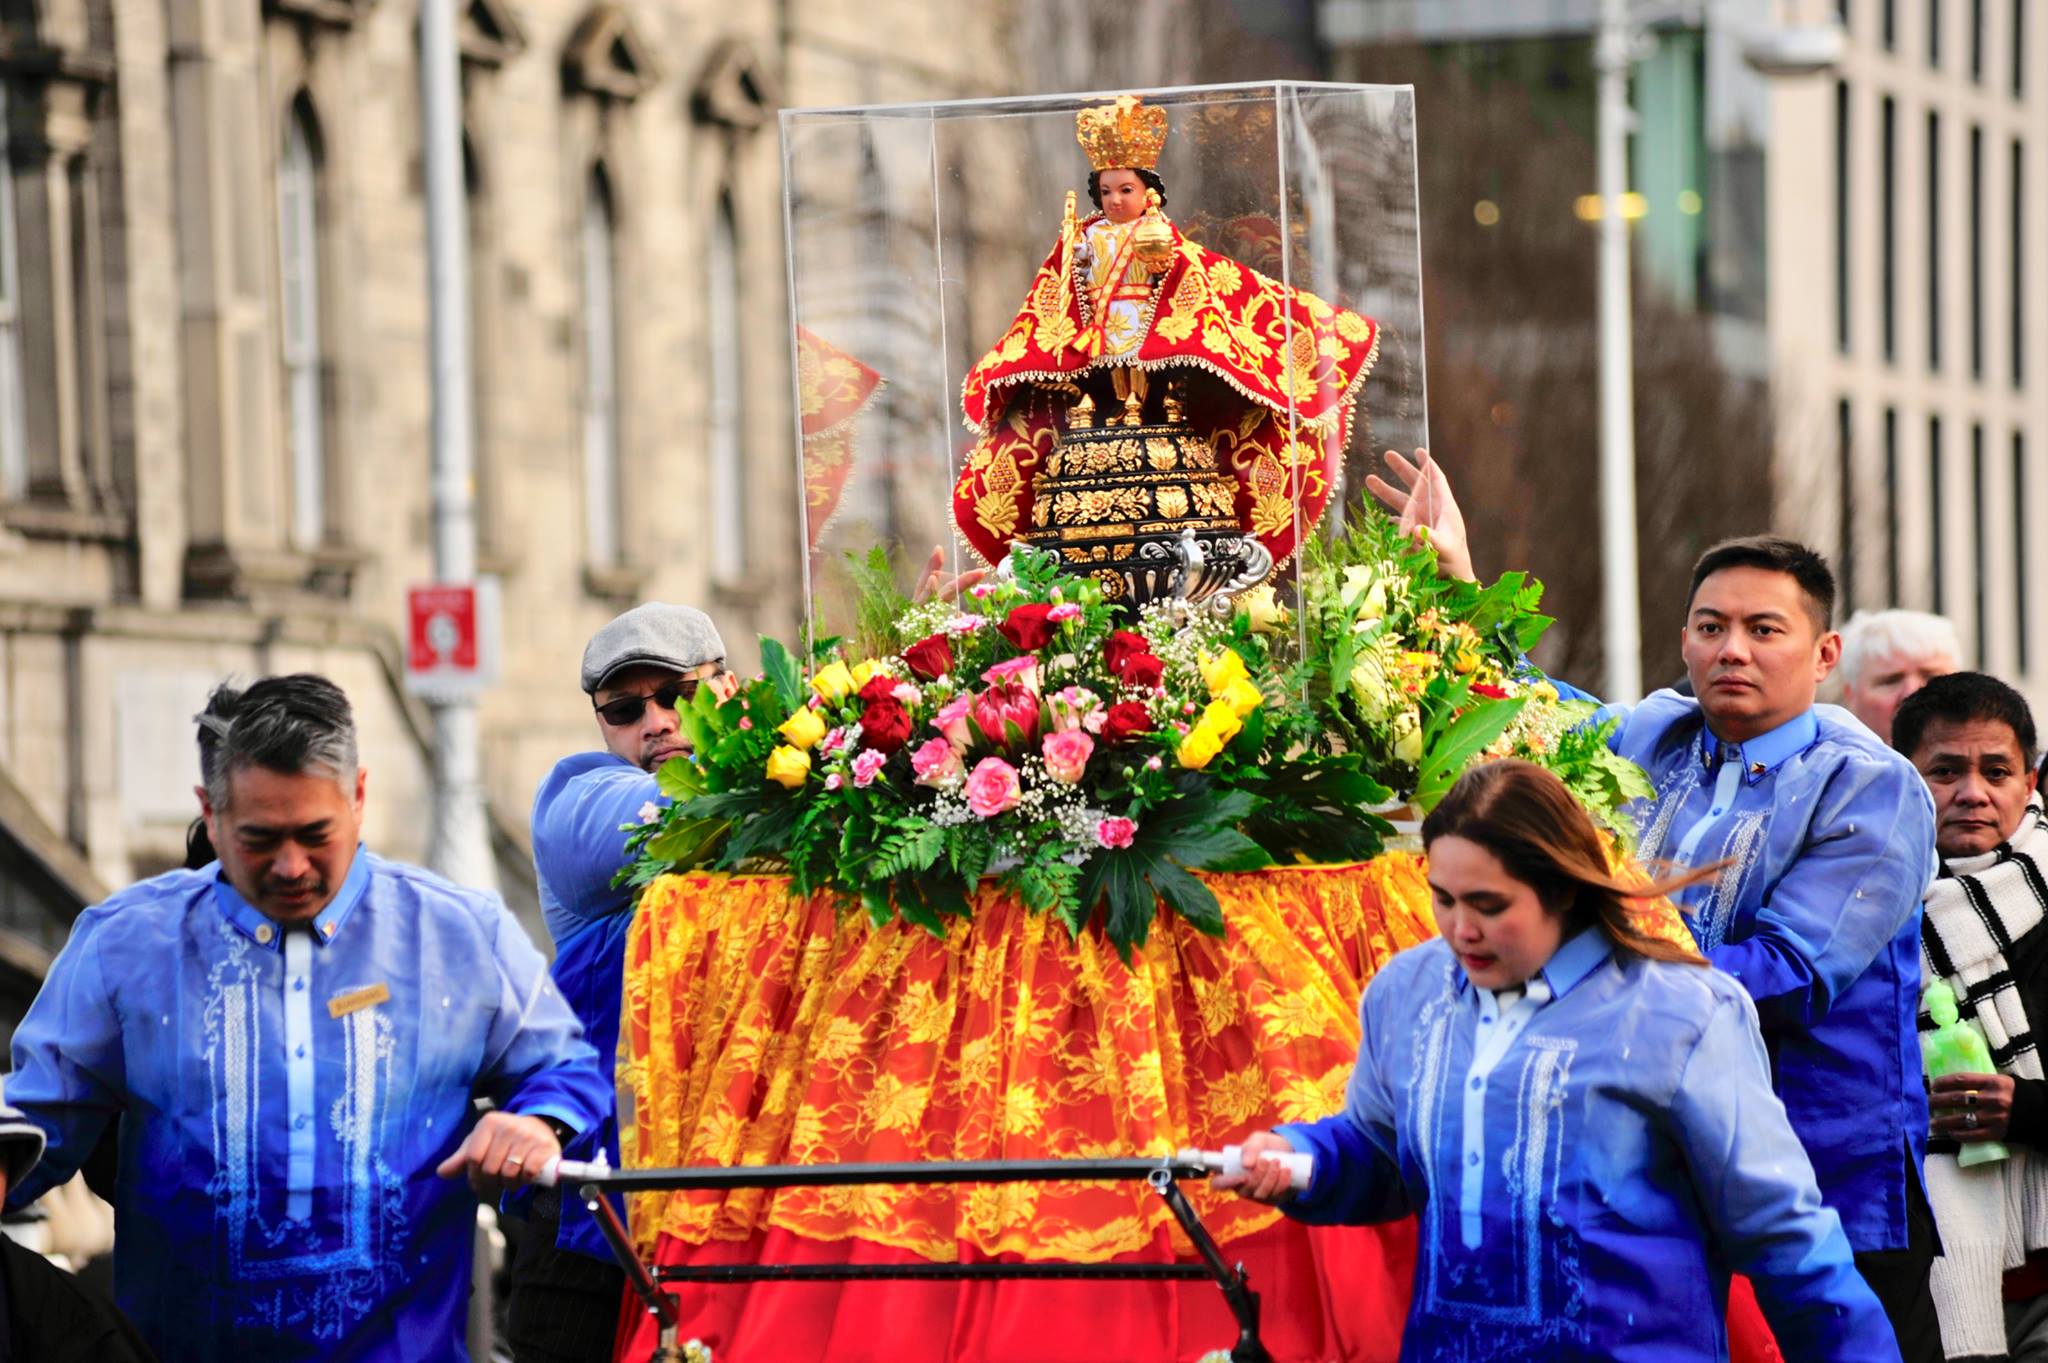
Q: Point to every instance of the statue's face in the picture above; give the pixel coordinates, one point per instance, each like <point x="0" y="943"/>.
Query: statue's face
<point x="1123" y="195"/>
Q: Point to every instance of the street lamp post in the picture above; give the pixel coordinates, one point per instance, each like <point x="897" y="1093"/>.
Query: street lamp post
<point x="1621" y="606"/>
<point x="460" y="847"/>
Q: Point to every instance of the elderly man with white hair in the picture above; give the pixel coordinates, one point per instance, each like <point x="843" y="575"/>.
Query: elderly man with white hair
<point x="1887" y="656"/>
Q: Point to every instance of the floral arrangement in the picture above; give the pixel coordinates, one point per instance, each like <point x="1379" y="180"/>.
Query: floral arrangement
<point x="1424" y="675"/>
<point x="1091" y="763"/>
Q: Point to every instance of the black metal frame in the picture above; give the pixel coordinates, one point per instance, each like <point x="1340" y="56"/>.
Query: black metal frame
<point x="1163" y="1175"/>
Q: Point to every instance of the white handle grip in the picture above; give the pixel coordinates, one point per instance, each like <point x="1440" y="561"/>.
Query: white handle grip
<point x="1230" y="1161"/>
<point x="559" y="1170"/>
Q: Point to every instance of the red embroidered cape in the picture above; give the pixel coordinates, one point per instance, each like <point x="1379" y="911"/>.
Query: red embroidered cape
<point x="1284" y="356"/>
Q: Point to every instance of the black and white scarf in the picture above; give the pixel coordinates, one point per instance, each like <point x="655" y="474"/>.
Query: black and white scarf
<point x="1991" y="1215"/>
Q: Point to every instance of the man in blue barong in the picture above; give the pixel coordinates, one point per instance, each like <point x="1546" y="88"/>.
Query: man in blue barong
<point x="297" y="1040"/>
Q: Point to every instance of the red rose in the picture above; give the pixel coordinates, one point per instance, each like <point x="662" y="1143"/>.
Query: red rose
<point x="1143" y="670"/>
<point x="930" y="658"/>
<point x="881" y="686"/>
<point x="1027" y="626"/>
<point x="1120" y="648"/>
<point x="884" y="725"/>
<point x="1125" y="718"/>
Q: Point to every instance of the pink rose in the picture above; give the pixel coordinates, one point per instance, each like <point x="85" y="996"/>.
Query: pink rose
<point x="993" y="787"/>
<point x="907" y="693"/>
<point x="1066" y="755"/>
<point x="1064" y="612"/>
<point x="1003" y="707"/>
<point x="936" y="764"/>
<point x="833" y="782"/>
<point x="1074" y="706"/>
<point x="1114" y="832"/>
<point x="951" y="720"/>
<point x="866" y="765"/>
<point x="1022" y="671"/>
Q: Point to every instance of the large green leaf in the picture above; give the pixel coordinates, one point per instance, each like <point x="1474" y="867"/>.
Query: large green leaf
<point x="1188" y="897"/>
<point x="680" y="779"/>
<point x="783" y="673"/>
<point x="1470" y="734"/>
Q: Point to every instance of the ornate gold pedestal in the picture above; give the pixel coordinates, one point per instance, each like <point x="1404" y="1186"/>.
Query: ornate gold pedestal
<point x="1146" y="511"/>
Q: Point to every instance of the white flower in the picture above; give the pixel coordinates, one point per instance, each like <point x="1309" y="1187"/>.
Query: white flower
<point x="650" y="812"/>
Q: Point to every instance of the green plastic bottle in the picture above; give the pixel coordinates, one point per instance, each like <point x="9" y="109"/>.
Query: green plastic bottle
<point x="1957" y="1047"/>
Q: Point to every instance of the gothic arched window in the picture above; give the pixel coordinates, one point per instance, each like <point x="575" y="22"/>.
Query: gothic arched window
<point x="600" y="375"/>
<point x="298" y="251"/>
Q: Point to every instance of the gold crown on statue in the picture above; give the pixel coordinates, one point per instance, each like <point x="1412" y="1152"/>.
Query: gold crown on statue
<point x="1124" y="135"/>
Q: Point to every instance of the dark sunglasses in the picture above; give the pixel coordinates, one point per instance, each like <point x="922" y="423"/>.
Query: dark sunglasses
<point x="628" y="709"/>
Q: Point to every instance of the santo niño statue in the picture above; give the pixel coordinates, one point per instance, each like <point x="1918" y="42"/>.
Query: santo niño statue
<point x="1149" y="385"/>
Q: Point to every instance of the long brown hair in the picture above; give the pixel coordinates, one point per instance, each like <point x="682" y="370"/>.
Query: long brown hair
<point x="1543" y="837"/>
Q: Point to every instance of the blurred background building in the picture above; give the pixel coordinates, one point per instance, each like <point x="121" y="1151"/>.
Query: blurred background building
<point x="214" y="411"/>
<point x="1838" y="269"/>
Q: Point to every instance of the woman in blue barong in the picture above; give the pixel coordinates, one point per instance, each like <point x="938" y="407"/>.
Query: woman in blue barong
<point x="1578" y="1111"/>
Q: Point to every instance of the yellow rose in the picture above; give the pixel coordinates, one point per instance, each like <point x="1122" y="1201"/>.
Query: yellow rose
<point x="1199" y="748"/>
<point x="1223" y="669"/>
<point x="789" y="766"/>
<point x="803" y="729"/>
<point x="864" y="672"/>
<point x="1242" y="697"/>
<point x="1262" y="609"/>
<point x="1544" y="692"/>
<point x="834" y="681"/>
<point x="1219" y="718"/>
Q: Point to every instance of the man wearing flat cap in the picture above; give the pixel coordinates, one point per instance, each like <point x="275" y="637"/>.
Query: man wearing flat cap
<point x="566" y="1287"/>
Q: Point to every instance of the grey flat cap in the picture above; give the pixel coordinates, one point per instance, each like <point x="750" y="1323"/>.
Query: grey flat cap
<point x="652" y="635"/>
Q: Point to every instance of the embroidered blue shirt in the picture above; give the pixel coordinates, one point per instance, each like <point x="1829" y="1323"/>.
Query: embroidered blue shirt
<point x="578" y="813"/>
<point x="1586" y="1166"/>
<point x="1829" y="835"/>
<point x="285" y="1095"/>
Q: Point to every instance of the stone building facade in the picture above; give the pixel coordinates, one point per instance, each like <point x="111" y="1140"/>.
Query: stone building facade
<point x="214" y="401"/>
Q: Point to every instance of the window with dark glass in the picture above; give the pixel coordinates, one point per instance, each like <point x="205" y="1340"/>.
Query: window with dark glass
<point x="2017" y="41"/>
<point x="1976" y="252"/>
<point x="1937" y="578"/>
<point x="2019" y="548"/>
<point x="2018" y="268"/>
<point x="1891" y="506"/>
<point x="1979" y="549"/>
<point x="1935" y="263"/>
<point x="1842" y="272"/>
<point x="1888" y="227"/>
<point x="1845" y="506"/>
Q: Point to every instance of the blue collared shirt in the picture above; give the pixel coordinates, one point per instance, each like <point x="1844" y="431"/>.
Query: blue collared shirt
<point x="285" y="1096"/>
<point x="578" y="813"/>
<point x="1586" y="1166"/>
<point x="1829" y="836"/>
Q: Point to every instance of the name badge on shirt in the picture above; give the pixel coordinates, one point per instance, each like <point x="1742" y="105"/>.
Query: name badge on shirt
<point x="355" y="1000"/>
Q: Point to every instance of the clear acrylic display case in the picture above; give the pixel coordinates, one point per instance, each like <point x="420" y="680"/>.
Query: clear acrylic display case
<point x="914" y="233"/>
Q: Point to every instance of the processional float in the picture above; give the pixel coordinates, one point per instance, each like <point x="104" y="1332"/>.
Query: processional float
<point x="975" y="922"/>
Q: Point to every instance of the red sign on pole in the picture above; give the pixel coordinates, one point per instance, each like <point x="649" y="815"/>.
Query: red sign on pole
<point x="444" y="637"/>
